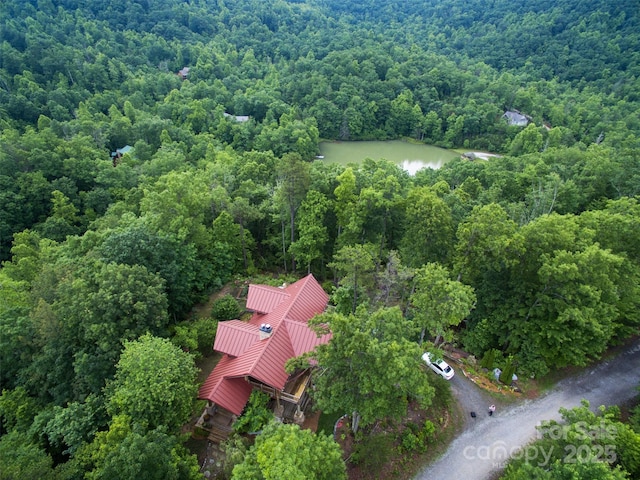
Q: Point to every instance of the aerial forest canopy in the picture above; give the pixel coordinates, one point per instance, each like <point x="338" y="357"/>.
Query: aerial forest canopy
<point x="150" y="151"/>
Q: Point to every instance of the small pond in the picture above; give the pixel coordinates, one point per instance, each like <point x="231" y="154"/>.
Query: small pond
<point x="411" y="157"/>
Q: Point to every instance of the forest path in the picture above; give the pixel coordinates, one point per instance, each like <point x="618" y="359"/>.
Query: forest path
<point x="479" y="452"/>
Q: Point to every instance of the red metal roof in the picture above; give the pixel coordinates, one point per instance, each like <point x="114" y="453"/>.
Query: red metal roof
<point x="228" y="392"/>
<point x="235" y="337"/>
<point x="310" y="299"/>
<point x="303" y="339"/>
<point x="287" y="310"/>
<point x="263" y="298"/>
<point x="269" y="364"/>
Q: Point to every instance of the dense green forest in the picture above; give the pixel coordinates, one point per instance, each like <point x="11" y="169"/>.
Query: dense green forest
<point x="104" y="256"/>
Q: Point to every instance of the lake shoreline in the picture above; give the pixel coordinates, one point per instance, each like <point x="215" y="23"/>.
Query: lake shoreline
<point x="410" y="156"/>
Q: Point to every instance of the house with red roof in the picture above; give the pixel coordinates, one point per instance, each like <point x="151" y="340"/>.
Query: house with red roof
<point x="255" y="353"/>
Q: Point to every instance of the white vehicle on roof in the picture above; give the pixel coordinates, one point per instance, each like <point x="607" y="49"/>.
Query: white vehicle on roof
<point x="438" y="365"/>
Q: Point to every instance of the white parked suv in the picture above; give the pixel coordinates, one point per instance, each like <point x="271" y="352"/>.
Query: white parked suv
<point x="439" y="366"/>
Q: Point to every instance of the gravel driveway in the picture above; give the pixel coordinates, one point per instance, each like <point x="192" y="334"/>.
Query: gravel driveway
<point x="471" y="398"/>
<point x="480" y="451"/>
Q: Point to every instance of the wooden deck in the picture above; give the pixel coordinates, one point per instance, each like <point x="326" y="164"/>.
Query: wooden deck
<point x="290" y="405"/>
<point x="217" y="422"/>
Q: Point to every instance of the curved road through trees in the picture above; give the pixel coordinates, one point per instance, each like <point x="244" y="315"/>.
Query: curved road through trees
<point x="479" y="452"/>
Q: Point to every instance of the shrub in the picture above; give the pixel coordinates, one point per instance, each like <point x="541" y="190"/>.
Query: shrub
<point x="225" y="308"/>
<point x="488" y="359"/>
<point x="235" y="448"/>
<point x="443" y="397"/>
<point x="206" y="333"/>
<point x="507" y="372"/>
<point x="373" y="451"/>
<point x="256" y="414"/>
<point x="185" y="337"/>
<point x="415" y="438"/>
<point x="410" y="441"/>
<point x="195" y="337"/>
<point x="429" y="430"/>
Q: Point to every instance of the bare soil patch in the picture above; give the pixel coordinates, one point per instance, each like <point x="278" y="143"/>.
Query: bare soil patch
<point x="311" y="421"/>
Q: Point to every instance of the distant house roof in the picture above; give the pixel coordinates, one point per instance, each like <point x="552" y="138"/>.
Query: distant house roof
<point x="184" y="73"/>
<point x="248" y="353"/>
<point x="516" y="118"/>
<point x="237" y="118"/>
<point x="121" y="151"/>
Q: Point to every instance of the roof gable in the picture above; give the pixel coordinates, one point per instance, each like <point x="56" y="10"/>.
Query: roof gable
<point x="237" y="118"/>
<point x="235" y="337"/>
<point x="231" y="393"/>
<point x="309" y="299"/>
<point x="269" y="365"/>
<point x="122" y="151"/>
<point x="264" y="299"/>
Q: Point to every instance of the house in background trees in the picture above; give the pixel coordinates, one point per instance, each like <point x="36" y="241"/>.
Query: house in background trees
<point x="516" y="119"/>
<point x="119" y="153"/>
<point x="255" y="353"/>
<point x="184" y="73"/>
<point x="237" y="118"/>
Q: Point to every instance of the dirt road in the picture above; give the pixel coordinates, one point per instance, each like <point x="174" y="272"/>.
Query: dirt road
<point x="482" y="449"/>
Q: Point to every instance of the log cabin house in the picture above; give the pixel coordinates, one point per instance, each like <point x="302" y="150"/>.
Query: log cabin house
<point x="255" y="353"/>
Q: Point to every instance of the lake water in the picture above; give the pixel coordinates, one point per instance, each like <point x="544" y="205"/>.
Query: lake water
<point x="411" y="157"/>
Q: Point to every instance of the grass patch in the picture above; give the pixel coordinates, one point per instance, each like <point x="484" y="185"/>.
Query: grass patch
<point x="326" y="422"/>
<point x="372" y="452"/>
<point x="206" y="365"/>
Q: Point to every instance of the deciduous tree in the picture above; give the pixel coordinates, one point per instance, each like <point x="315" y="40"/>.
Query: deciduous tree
<point x="572" y="316"/>
<point x="345" y="194"/>
<point x="163" y="253"/>
<point x="287" y="451"/>
<point x="130" y="452"/>
<point x="21" y="458"/>
<point x="370" y="367"/>
<point x="98" y="307"/>
<point x="294" y="181"/>
<point x="356" y="265"/>
<point x="585" y="444"/>
<point x="312" y="231"/>
<point x="488" y="242"/>
<point x="438" y="301"/>
<point x="155" y="384"/>
<point x="17" y="332"/>
<point x="429" y="233"/>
